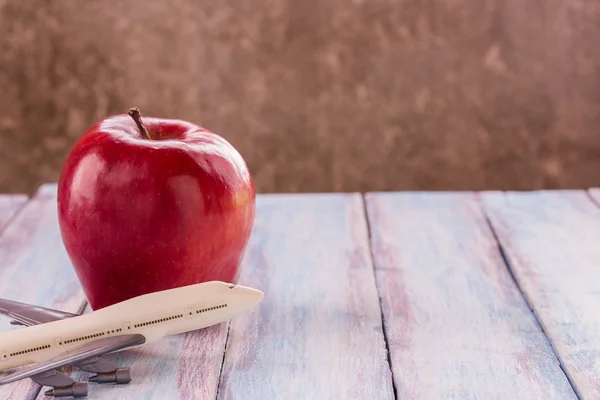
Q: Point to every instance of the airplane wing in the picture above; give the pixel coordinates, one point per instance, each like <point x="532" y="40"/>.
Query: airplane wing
<point x="85" y="351"/>
<point x="27" y="314"/>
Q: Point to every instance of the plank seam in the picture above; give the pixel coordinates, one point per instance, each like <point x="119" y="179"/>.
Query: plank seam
<point x="531" y="306"/>
<point x="222" y="366"/>
<point x="592" y="198"/>
<point x="38" y="392"/>
<point x="379" y="298"/>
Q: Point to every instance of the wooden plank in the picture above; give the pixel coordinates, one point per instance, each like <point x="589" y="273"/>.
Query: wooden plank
<point x="176" y="367"/>
<point x="34" y="268"/>
<point x="318" y="332"/>
<point x="456" y="324"/>
<point x="9" y="205"/>
<point x="552" y="242"/>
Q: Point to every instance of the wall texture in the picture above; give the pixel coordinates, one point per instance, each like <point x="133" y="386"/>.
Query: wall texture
<point x="335" y="95"/>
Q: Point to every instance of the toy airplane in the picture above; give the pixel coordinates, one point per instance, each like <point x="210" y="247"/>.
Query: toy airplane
<point x="53" y="339"/>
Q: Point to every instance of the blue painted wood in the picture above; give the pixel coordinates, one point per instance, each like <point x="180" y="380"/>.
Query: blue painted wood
<point x="552" y="242"/>
<point x="318" y="332"/>
<point x="456" y="324"/>
<point x="34" y="268"/>
<point x="9" y="205"/>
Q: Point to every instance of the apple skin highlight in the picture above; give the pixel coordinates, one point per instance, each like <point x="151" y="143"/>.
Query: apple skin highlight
<point x="141" y="214"/>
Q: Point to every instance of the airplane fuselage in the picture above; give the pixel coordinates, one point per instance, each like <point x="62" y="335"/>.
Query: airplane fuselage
<point x="154" y="316"/>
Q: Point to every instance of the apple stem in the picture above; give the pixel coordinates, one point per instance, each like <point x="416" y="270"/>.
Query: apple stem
<point x="134" y="113"/>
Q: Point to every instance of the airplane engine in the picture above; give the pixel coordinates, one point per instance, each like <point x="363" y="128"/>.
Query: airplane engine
<point x="78" y="389"/>
<point x="120" y="376"/>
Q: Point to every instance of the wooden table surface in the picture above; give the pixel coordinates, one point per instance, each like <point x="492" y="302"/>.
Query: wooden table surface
<point x="411" y="295"/>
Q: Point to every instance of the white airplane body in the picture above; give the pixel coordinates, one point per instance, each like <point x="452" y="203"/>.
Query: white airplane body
<point x="81" y="339"/>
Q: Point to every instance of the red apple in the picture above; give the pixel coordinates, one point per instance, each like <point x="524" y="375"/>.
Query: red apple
<point x="153" y="204"/>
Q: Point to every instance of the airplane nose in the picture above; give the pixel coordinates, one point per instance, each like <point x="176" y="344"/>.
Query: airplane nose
<point x="253" y="296"/>
<point x="256" y="295"/>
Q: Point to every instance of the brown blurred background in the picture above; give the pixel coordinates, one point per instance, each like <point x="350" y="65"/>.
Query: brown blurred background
<point x="317" y="95"/>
